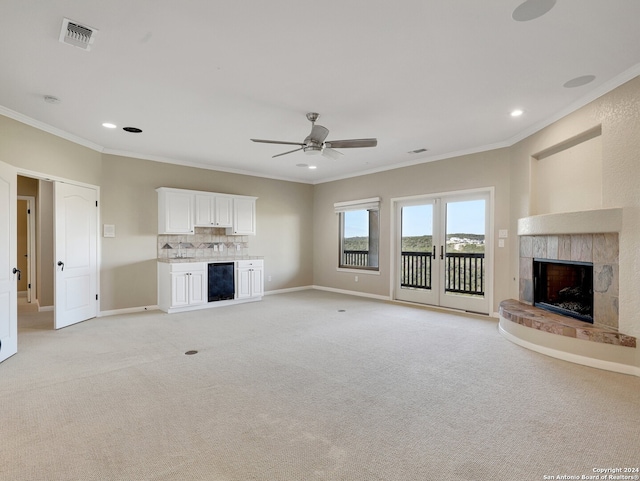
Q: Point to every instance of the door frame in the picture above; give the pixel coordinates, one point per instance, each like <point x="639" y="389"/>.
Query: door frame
<point x="31" y="247"/>
<point x="489" y="244"/>
<point x="52" y="178"/>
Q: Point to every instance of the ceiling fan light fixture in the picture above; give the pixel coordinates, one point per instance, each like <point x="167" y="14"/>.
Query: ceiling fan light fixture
<point x="313" y="149"/>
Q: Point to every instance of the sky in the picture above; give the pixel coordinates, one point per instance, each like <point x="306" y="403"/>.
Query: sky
<point x="465" y="217"/>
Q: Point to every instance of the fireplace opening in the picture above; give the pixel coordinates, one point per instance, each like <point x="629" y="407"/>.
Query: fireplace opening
<point x="564" y="287"/>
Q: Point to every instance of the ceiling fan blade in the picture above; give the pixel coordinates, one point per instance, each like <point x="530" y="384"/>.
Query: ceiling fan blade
<point x="348" y="144"/>
<point x="318" y="133"/>
<point x="285" y="153"/>
<point x="331" y="154"/>
<point x="277" y="142"/>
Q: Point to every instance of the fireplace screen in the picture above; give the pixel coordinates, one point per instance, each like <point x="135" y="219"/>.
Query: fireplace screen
<point x="564" y="287"/>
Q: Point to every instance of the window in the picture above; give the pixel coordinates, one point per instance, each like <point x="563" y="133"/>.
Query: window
<point x="359" y="233"/>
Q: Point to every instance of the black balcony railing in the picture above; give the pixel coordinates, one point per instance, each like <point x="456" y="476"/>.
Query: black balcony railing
<point x="415" y="270"/>
<point x="464" y="272"/>
<point x="355" y="258"/>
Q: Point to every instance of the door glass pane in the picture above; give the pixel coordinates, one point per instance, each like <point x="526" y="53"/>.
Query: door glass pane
<point x="465" y="247"/>
<point x="417" y="247"/>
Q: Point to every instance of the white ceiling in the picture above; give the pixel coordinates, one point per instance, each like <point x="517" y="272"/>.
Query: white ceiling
<point x="202" y="77"/>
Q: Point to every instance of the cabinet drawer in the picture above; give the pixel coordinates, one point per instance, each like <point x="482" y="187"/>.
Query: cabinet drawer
<point x="252" y="263"/>
<point x="187" y="267"/>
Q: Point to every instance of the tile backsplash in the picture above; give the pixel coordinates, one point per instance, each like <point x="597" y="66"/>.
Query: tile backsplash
<point x="206" y="243"/>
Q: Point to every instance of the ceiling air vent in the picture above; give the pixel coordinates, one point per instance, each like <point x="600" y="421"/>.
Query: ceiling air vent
<point x="78" y="35"/>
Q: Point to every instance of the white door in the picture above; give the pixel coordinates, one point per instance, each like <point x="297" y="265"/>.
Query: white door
<point x="442" y="253"/>
<point x="76" y="248"/>
<point x="418" y="278"/>
<point x="8" y="278"/>
<point x="467" y="257"/>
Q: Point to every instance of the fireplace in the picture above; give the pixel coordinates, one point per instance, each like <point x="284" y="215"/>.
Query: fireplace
<point x="565" y="287"/>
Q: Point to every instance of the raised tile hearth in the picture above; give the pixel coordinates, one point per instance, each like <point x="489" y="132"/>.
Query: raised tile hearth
<point x="535" y="318"/>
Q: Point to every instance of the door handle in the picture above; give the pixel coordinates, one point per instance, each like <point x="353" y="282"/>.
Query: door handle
<point x="441" y="252"/>
<point x="17" y="271"/>
<point x="434" y="252"/>
<point x="60" y="263"/>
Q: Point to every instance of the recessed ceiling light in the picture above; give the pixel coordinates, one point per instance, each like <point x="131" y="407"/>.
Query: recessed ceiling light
<point x="579" y="81"/>
<point x="50" y="99"/>
<point x="532" y="9"/>
<point x="313" y="167"/>
<point x="133" y="130"/>
<point x="516" y="113"/>
<point x="109" y="125"/>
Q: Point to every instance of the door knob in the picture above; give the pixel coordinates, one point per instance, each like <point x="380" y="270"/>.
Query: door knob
<point x="60" y="263"/>
<point x="17" y="271"/>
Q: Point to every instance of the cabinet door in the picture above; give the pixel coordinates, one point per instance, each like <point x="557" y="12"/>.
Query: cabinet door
<point x="205" y="209"/>
<point x="179" y="289"/>
<point x="257" y="282"/>
<point x="197" y="287"/>
<point x="243" y="283"/>
<point x="223" y="211"/>
<point x="244" y="216"/>
<point x="175" y="213"/>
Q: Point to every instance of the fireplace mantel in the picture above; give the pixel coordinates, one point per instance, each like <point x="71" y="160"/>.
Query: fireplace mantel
<point x="597" y="221"/>
<point x="587" y="236"/>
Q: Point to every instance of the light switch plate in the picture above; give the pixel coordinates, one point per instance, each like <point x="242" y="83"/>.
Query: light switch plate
<point x="503" y="233"/>
<point x="109" y="230"/>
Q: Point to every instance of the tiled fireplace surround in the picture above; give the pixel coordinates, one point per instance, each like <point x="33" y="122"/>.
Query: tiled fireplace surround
<point x="599" y="249"/>
<point x="582" y="236"/>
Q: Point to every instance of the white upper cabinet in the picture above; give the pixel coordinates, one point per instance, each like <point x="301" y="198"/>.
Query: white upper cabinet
<point x="175" y="211"/>
<point x="213" y="210"/>
<point x="244" y="216"/>
<point x="179" y="210"/>
<point x="224" y="211"/>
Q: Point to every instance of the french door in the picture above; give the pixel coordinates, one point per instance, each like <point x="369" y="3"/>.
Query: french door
<point x="442" y="250"/>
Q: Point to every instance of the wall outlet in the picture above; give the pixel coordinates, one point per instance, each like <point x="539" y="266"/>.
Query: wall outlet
<point x="269" y="278"/>
<point x="356" y="278"/>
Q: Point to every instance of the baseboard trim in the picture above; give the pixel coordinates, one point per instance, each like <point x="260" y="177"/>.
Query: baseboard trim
<point x="289" y="289"/>
<point x="128" y="310"/>
<point x="571" y="357"/>
<point x="352" y="293"/>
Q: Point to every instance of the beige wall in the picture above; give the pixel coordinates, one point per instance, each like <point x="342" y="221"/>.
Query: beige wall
<point x="487" y="169"/>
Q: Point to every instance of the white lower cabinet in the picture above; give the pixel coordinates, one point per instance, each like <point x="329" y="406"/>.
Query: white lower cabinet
<point x="181" y="285"/>
<point x="249" y="279"/>
<point x="184" y="286"/>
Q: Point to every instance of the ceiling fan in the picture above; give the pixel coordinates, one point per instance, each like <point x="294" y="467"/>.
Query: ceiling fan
<point x="315" y="143"/>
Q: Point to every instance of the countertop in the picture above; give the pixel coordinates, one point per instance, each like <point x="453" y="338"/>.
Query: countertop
<point x="208" y="260"/>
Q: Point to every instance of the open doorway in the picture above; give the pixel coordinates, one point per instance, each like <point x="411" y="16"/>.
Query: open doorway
<point x="35" y="252"/>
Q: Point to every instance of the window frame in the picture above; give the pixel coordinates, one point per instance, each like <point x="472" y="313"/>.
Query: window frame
<point x="368" y="205"/>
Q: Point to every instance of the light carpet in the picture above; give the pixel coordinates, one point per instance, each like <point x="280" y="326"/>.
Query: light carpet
<point x="307" y="385"/>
